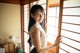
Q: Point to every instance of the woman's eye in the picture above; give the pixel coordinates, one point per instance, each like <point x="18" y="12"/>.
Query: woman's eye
<point x="37" y="14"/>
<point x="40" y="14"/>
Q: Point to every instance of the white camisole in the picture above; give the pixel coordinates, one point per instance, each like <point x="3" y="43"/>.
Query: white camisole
<point x="43" y="36"/>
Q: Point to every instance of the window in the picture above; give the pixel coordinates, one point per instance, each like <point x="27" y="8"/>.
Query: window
<point x="70" y="27"/>
<point x="26" y="21"/>
<point x="52" y="23"/>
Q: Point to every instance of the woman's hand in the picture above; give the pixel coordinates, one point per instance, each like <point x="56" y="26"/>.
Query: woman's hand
<point x="57" y="41"/>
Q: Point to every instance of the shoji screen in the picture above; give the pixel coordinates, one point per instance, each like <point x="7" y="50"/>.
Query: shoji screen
<point x="70" y="27"/>
<point x="52" y="23"/>
<point x="26" y="21"/>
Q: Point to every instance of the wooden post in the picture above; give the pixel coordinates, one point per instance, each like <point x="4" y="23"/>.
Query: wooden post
<point x="60" y="21"/>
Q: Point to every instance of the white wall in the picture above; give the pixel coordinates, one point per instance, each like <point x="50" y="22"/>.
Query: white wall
<point x="10" y="23"/>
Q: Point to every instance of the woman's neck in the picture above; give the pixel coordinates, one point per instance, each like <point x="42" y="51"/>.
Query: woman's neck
<point x="37" y="23"/>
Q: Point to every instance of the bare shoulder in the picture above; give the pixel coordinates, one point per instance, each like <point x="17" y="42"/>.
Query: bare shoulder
<point x="34" y="31"/>
<point x="33" y="28"/>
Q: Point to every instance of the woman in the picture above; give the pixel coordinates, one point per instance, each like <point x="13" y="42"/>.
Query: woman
<point x="36" y="32"/>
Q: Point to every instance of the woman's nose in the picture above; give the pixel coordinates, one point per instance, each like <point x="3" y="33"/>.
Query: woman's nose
<point x="40" y="16"/>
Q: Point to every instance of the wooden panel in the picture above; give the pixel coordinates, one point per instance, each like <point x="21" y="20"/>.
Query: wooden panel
<point x="10" y="1"/>
<point x="22" y="25"/>
<point x="17" y="1"/>
<point x="54" y="3"/>
<point x="28" y="1"/>
<point x="9" y="47"/>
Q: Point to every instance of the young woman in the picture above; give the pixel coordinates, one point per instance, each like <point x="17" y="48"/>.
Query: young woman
<point x="36" y="32"/>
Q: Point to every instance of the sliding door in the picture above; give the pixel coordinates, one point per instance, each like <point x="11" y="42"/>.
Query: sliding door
<point x="70" y="29"/>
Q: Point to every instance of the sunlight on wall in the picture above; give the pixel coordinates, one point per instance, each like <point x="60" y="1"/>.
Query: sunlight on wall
<point x="10" y="20"/>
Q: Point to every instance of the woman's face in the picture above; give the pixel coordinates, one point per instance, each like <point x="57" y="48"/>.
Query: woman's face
<point x="38" y="16"/>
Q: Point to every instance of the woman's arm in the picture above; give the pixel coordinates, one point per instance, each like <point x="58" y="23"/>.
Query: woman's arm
<point x="37" y="42"/>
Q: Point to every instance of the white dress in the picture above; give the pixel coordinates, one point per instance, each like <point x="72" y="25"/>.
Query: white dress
<point x="43" y="36"/>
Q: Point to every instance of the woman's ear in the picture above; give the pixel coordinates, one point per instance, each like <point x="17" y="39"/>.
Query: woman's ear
<point x="32" y="15"/>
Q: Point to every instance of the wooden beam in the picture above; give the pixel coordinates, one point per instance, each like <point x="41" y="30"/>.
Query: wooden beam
<point x="10" y="1"/>
<point x="60" y="20"/>
<point x="17" y="1"/>
<point x="22" y="25"/>
<point x="54" y="5"/>
<point x="27" y="1"/>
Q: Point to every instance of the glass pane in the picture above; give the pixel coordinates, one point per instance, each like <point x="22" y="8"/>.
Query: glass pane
<point x="74" y="29"/>
<point x="26" y="24"/>
<point x="26" y="9"/>
<point x="51" y="30"/>
<point x="26" y="20"/>
<point x="71" y="19"/>
<point x="34" y="3"/>
<point x="71" y="43"/>
<point x="71" y="3"/>
<point x="51" y="38"/>
<point x="42" y="1"/>
<point x="26" y="43"/>
<point x="57" y="20"/>
<point x="51" y="21"/>
<point x="71" y="11"/>
<point x="61" y="51"/>
<point x="26" y="6"/>
<point x="67" y="48"/>
<point x="57" y="11"/>
<point x="26" y="13"/>
<point x="70" y="35"/>
<point x="70" y="27"/>
<point x="52" y="11"/>
<point x="26" y="28"/>
<point x="44" y="6"/>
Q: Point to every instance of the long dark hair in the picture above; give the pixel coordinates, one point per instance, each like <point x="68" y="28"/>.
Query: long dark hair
<point x="33" y="11"/>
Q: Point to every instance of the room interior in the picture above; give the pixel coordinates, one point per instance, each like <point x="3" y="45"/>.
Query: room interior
<point x="12" y="24"/>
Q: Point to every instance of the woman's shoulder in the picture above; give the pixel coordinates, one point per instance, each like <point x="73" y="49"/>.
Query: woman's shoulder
<point x="33" y="28"/>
